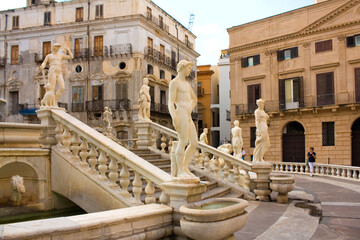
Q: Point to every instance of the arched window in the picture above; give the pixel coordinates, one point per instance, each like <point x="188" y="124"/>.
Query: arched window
<point x="150" y="69"/>
<point x="162" y="74"/>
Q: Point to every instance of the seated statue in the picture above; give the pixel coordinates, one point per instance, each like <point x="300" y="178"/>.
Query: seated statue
<point x="17" y="189"/>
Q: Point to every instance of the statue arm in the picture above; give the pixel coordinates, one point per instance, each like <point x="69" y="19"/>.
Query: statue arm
<point x="43" y="65"/>
<point x="172" y="98"/>
<point x="70" y="56"/>
<point x="193" y="99"/>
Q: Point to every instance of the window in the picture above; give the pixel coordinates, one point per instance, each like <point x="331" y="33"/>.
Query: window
<point x="78" y="69"/>
<point x="162" y="97"/>
<point x="353" y="41"/>
<point x="15" y="54"/>
<point x="252" y="136"/>
<point x="47" y="18"/>
<point x="14" y="103"/>
<point x="328" y="134"/>
<point x="291" y="93"/>
<point x="33" y="1"/>
<point x="79" y="16"/>
<point x="162" y="74"/>
<point x="323" y="46"/>
<point x="287" y="53"/>
<point x="325" y="88"/>
<point x="254" y="93"/>
<point x="149" y="13"/>
<point x="98" y="46"/>
<point x="162" y="53"/>
<point x="150" y="69"/>
<point x="250" y="61"/>
<point x="150" y="42"/>
<point x="122" y="90"/>
<point x="186" y="40"/>
<point x="152" y="94"/>
<point x="357" y="84"/>
<point x="46" y="48"/>
<point x="172" y="77"/>
<point x="99" y="12"/>
<point x="173" y="59"/>
<point x="161" y="22"/>
<point x="15" y="22"/>
<point x="78" y="99"/>
<point x="122" y="135"/>
<point x="97" y="93"/>
<point x="77" y="49"/>
<point x="122" y="65"/>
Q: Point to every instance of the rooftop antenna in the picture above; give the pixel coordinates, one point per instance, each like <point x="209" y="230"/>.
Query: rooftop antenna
<point x="191" y="21"/>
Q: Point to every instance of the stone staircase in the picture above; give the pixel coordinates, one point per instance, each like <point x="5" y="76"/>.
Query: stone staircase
<point x="214" y="188"/>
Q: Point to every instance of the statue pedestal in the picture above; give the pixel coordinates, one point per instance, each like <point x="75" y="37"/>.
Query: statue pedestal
<point x="262" y="189"/>
<point x="181" y="194"/>
<point x="48" y="132"/>
<point x="144" y="134"/>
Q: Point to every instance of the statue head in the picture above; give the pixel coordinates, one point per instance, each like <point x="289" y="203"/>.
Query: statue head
<point x="106" y="109"/>
<point x="236" y="123"/>
<point x="146" y="81"/>
<point x="183" y="64"/>
<point x="205" y="130"/>
<point x="56" y="47"/>
<point x="260" y="103"/>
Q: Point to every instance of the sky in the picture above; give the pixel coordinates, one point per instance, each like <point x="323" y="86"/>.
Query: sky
<point x="212" y="18"/>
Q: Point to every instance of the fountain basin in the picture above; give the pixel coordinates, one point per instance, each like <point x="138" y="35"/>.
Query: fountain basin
<point x="202" y="220"/>
<point x="283" y="184"/>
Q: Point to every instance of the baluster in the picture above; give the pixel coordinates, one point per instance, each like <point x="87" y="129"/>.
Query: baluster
<point x="207" y="163"/>
<point x="170" y="145"/>
<point x="75" y="146"/>
<point x="247" y="180"/>
<point x="58" y="135"/>
<point x="102" y="165"/>
<point x="322" y="170"/>
<point x="307" y="168"/>
<point x="236" y="175"/>
<point x="276" y="167"/>
<point x="113" y="175"/>
<point x="137" y="187"/>
<point x="330" y="172"/>
<point x="303" y="168"/>
<point x="66" y="140"/>
<point x="216" y="166"/>
<point x="163" y="143"/>
<point x="348" y="173"/>
<point x="93" y="157"/>
<point x="84" y="152"/>
<point x="334" y="172"/>
<point x="164" y="199"/>
<point x="343" y="173"/>
<point x="196" y="160"/>
<point x="354" y="176"/>
<point x="226" y="170"/>
<point x="124" y="178"/>
<point x="149" y="190"/>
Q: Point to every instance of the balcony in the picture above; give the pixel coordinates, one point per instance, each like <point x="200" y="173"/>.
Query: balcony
<point x="159" y="58"/>
<point x="81" y="53"/>
<point x="159" y="108"/>
<point x="115" y="104"/>
<point x="27" y="109"/>
<point x="39" y="58"/>
<point x="77" y="107"/>
<point x="156" y="21"/>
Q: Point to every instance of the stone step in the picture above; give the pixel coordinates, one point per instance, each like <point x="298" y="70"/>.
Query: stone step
<point x="159" y="161"/>
<point x="150" y="156"/>
<point x="140" y="151"/>
<point x="232" y="195"/>
<point x="216" y="192"/>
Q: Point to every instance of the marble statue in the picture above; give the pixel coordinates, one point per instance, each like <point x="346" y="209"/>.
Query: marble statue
<point x="107" y="115"/>
<point x="203" y="137"/>
<point x="237" y="141"/>
<point x="262" y="142"/>
<point x="17" y="189"/>
<point x="182" y="101"/>
<point x="55" y="75"/>
<point x="144" y="101"/>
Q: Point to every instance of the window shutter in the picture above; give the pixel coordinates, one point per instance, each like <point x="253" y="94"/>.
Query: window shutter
<point x="100" y="93"/>
<point x="318" y="47"/>
<point x="350" y="41"/>
<point x="251" y="98"/>
<point x="357" y="84"/>
<point x="282" y="93"/>
<point x="320" y="87"/>
<point x="256" y="59"/>
<point x="330" y="98"/>
<point x="244" y="62"/>
<point x="328" y="45"/>
<point x="301" y="92"/>
<point x="124" y="91"/>
<point x="294" y="52"/>
<point x="280" y="55"/>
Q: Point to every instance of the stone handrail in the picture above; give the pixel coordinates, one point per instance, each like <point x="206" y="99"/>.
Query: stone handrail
<point x="76" y="138"/>
<point x="340" y="171"/>
<point x="222" y="165"/>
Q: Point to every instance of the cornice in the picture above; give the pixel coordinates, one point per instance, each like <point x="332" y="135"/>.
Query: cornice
<point x="329" y="65"/>
<point x="253" y="78"/>
<point x="291" y="71"/>
<point x="354" y="61"/>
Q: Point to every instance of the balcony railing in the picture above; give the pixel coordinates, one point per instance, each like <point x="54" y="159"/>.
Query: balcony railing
<point x="156" y="21"/>
<point x="158" y="57"/>
<point x="115" y="104"/>
<point x="106" y="51"/>
<point x="160" y="108"/>
<point x="77" y="107"/>
<point x="39" y="58"/>
<point x="189" y="44"/>
<point x="29" y="109"/>
<point x="318" y="101"/>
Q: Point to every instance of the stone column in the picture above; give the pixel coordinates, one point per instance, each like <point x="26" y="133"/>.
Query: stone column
<point x="181" y="194"/>
<point x="48" y="132"/>
<point x="144" y="135"/>
<point x="262" y="189"/>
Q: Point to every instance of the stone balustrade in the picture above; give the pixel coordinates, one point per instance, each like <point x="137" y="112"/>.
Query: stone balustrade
<point x="105" y="158"/>
<point x="20" y="135"/>
<point x="340" y="171"/>
<point x="208" y="158"/>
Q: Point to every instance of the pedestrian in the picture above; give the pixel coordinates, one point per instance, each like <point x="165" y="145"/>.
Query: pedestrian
<point x="311" y="160"/>
<point x="243" y="153"/>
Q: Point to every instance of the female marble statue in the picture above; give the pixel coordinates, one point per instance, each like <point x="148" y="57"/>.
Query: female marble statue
<point x="144" y="101"/>
<point x="262" y="142"/>
<point x="236" y="140"/>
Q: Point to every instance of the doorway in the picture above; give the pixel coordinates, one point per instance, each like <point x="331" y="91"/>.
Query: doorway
<point x="293" y="143"/>
<point x="355" y="143"/>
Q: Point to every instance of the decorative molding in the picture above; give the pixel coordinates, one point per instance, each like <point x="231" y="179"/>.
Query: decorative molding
<point x="77" y="78"/>
<point x="121" y="76"/>
<point x="253" y="78"/>
<point x="329" y="65"/>
<point x="306" y="44"/>
<point x="291" y="71"/>
<point x="342" y="38"/>
<point x="354" y="61"/>
<point x="98" y="76"/>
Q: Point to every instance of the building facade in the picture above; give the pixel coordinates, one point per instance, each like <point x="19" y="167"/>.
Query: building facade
<point x="116" y="43"/>
<point x="305" y="65"/>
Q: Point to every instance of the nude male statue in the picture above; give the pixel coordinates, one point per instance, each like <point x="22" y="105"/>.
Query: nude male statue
<point x="55" y="75"/>
<point x="237" y="141"/>
<point x="144" y="101"/>
<point x="203" y="137"/>
<point x="182" y="95"/>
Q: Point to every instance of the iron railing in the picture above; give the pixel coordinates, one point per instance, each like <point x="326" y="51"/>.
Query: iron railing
<point x="160" y="108"/>
<point x="115" y="104"/>
<point x="77" y="107"/>
<point x="158" y="57"/>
